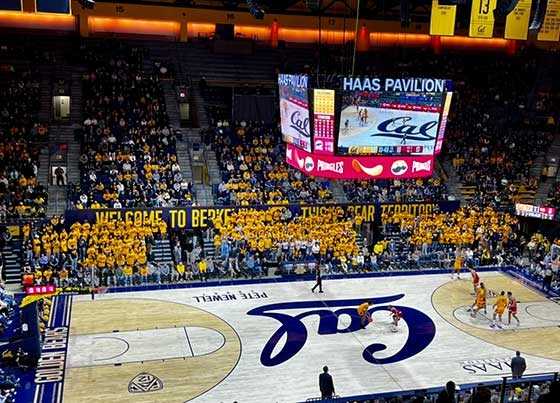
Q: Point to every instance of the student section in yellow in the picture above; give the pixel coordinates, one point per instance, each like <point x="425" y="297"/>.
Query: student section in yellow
<point x="183" y="379"/>
<point x="457" y="293"/>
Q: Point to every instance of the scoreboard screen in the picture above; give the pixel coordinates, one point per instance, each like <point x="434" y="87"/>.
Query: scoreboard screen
<point x="294" y="110"/>
<point x="323" y="121"/>
<point x="389" y="116"/>
<point x="529" y="210"/>
<point x="443" y="121"/>
<point x="40" y="289"/>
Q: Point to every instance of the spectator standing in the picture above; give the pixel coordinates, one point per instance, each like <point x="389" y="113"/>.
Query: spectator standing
<point x="481" y="395"/>
<point x="59" y="173"/>
<point x="547" y="277"/>
<point x="326" y="384"/>
<point x="318" y="281"/>
<point x="447" y="395"/>
<point x="553" y="394"/>
<point x="518" y="366"/>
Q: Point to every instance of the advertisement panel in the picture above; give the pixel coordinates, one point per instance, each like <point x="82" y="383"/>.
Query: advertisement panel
<point x="443" y="121"/>
<point x="294" y="110"/>
<point x="323" y="121"/>
<point x="192" y="218"/>
<point x="360" y="167"/>
<point x="530" y="210"/>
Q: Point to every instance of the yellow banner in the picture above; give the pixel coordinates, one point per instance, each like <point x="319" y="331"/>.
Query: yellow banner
<point x="517" y="22"/>
<point x="443" y="19"/>
<point x="550" y="30"/>
<point x="482" y="18"/>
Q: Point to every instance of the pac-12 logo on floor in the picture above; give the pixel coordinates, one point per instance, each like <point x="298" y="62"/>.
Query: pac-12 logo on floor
<point x="294" y="333"/>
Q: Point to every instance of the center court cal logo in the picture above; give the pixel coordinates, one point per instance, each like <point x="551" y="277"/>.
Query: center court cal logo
<point x="290" y="338"/>
<point x="145" y="382"/>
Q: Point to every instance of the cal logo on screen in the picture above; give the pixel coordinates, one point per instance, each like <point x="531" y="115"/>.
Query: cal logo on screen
<point x="300" y="123"/>
<point x="293" y="333"/>
<point x="402" y="127"/>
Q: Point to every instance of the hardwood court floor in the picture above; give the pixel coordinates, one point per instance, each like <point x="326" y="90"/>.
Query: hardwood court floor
<point x="267" y="342"/>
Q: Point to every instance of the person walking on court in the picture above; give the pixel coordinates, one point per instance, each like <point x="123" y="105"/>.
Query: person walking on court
<point x="326" y="384"/>
<point x="318" y="280"/>
<point x="518" y="366"/>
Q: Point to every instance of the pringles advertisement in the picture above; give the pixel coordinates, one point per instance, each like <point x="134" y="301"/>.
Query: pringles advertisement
<point x="362" y="167"/>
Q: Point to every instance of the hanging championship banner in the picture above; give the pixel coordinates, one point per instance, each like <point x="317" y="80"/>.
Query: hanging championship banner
<point x="550" y="30"/>
<point x="442" y="21"/>
<point x="517" y="22"/>
<point x="482" y="18"/>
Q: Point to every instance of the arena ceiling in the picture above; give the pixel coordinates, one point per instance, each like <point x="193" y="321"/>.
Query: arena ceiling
<point x="419" y="10"/>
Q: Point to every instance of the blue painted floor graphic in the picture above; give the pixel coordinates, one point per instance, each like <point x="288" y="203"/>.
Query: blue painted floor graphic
<point x="45" y="384"/>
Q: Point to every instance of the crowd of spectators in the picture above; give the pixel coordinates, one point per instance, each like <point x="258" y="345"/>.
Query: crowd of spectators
<point x="543" y="255"/>
<point x="554" y="195"/>
<point x="397" y="190"/>
<point x="8" y="385"/>
<point x="115" y="252"/>
<point x="128" y="147"/>
<point x="251" y="237"/>
<point x="492" y="137"/>
<point x="21" y="195"/>
<point x="486" y="392"/>
<point x="481" y="236"/>
<point x="251" y="157"/>
<point x="7" y="306"/>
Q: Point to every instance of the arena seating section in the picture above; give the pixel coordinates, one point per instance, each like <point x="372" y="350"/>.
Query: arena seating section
<point x="502" y="121"/>
<point x="494" y="134"/>
<point x="251" y="158"/>
<point x="396" y="191"/>
<point x="128" y="149"/>
<point x="554" y="195"/>
<point x="117" y="253"/>
<point x="21" y="137"/>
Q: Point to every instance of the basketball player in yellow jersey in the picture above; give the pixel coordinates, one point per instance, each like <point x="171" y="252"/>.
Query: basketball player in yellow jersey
<point x="480" y="301"/>
<point x="365" y="316"/>
<point x="499" y="308"/>
<point x="458" y="264"/>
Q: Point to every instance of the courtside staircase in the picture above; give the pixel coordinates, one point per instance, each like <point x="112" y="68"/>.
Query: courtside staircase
<point x="12" y="253"/>
<point x="161" y="251"/>
<point x="63" y="140"/>
<point x="541" y="196"/>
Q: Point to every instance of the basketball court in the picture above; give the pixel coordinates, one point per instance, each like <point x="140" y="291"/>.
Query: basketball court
<point x="267" y="342"/>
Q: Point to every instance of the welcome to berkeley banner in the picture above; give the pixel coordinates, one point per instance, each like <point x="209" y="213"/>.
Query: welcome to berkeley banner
<point x="189" y="218"/>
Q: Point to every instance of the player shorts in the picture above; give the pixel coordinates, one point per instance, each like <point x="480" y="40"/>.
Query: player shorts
<point x="499" y="311"/>
<point x="512" y="310"/>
